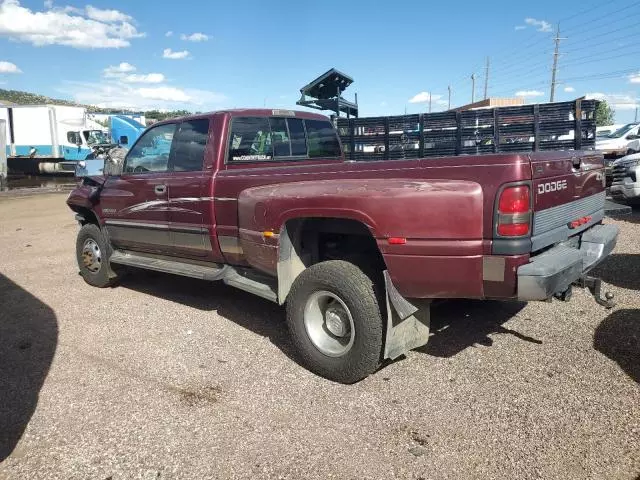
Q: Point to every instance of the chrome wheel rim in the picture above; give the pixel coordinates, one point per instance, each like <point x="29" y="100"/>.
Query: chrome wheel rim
<point x="91" y="255"/>
<point x="329" y="323"/>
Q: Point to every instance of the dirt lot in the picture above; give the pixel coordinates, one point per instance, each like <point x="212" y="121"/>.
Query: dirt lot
<point x="165" y="377"/>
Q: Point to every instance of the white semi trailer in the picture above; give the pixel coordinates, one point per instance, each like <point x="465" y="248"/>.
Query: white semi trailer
<point x="48" y="138"/>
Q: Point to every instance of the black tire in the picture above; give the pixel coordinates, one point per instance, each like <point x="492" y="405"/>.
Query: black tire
<point x="357" y="291"/>
<point x="103" y="276"/>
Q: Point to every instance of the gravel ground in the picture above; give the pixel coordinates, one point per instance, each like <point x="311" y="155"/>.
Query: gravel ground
<point x="165" y="377"/>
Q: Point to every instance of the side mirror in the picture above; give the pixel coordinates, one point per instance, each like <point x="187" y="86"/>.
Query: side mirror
<point x="113" y="166"/>
<point x="124" y="140"/>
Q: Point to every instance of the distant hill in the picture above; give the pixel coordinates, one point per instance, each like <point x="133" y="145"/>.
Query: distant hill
<point x="25" y="98"/>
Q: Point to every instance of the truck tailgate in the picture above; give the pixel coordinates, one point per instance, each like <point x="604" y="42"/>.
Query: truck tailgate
<point x="568" y="195"/>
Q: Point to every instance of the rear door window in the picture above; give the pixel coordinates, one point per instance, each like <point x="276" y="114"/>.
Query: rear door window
<point x="189" y="145"/>
<point x="322" y="139"/>
<point x="264" y="139"/>
<point x="250" y="139"/>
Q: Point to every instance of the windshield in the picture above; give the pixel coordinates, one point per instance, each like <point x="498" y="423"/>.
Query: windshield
<point x="620" y="132"/>
<point x="96" y="136"/>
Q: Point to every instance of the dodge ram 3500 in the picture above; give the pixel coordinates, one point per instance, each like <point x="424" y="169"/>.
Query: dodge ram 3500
<point x="265" y="201"/>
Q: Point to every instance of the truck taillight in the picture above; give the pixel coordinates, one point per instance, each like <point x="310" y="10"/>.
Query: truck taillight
<point x="514" y="211"/>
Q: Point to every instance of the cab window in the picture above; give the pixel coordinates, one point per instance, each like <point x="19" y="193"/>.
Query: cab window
<point x="250" y="139"/>
<point x="189" y="145"/>
<point x="151" y="151"/>
<point x="322" y="140"/>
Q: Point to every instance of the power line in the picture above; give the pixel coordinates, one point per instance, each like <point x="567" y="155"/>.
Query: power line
<point x="599" y="18"/>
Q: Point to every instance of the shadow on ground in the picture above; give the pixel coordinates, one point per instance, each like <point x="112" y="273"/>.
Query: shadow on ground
<point x="455" y="324"/>
<point x="28" y="339"/>
<point x="459" y="324"/>
<point x="621" y="270"/>
<point x="253" y="313"/>
<point x="618" y="338"/>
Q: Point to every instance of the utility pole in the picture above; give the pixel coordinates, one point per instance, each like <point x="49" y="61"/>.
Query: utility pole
<point x="486" y="79"/>
<point x="473" y="87"/>
<point x="556" y="54"/>
<point x="449" y="88"/>
<point x="429" y="102"/>
<point x="636" y="117"/>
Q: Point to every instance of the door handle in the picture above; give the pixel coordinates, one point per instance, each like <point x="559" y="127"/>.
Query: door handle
<point x="160" y="189"/>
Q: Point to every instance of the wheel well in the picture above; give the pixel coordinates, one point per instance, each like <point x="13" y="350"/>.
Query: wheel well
<point x="88" y="216"/>
<point x="307" y="241"/>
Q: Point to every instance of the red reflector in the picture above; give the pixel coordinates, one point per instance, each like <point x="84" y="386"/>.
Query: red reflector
<point x="513" y="229"/>
<point x="514" y="200"/>
<point x="397" y="240"/>
<point x="574" y="224"/>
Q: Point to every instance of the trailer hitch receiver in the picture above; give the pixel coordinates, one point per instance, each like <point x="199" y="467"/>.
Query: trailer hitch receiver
<point x="595" y="287"/>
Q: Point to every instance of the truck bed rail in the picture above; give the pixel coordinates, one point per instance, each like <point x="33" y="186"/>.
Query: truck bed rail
<point x="526" y="128"/>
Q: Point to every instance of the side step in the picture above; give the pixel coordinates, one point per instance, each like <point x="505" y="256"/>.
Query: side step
<point x="258" y="285"/>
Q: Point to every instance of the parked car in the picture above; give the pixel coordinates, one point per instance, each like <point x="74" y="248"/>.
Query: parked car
<point x="606" y="130"/>
<point x="264" y="201"/>
<point x="626" y="179"/>
<point x="624" y="141"/>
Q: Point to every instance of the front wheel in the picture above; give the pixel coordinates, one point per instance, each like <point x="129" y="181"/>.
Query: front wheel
<point x="335" y="321"/>
<point x="92" y="254"/>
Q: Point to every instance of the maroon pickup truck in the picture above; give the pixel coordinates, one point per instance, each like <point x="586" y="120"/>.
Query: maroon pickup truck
<point x="264" y="200"/>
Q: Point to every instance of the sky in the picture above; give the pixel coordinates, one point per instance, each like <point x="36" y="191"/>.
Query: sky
<point x="202" y="56"/>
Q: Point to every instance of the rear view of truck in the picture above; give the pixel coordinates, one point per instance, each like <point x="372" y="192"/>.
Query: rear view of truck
<point x="557" y="218"/>
<point x="547" y="224"/>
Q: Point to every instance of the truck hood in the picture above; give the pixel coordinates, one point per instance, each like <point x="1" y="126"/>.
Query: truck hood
<point x="611" y="143"/>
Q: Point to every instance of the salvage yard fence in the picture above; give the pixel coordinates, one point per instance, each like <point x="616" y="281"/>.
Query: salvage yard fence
<point x="525" y="128"/>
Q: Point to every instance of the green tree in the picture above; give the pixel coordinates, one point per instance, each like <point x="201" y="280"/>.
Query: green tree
<point x="605" y="115"/>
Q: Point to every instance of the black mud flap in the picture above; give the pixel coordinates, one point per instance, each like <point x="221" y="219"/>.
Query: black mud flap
<point x="407" y="325"/>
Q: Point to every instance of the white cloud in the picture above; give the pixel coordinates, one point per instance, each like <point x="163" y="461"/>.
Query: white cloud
<point x="169" y="94"/>
<point x="569" y="89"/>
<point x="8" y="67"/>
<point x="539" y="25"/>
<point x="529" y="93"/>
<point x="635" y="78"/>
<point x="148" y="78"/>
<point x="122" y="72"/>
<point x="107" y="16"/>
<point x="168" y="53"/>
<point x="423" y="97"/>
<point x="48" y="4"/>
<point x="619" y="101"/>
<point x="69" y="26"/>
<point x="195" y="37"/>
<point x="168" y="34"/>
<point x="113" y="71"/>
<point x="117" y="94"/>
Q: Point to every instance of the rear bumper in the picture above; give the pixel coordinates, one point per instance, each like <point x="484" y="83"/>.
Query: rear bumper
<point x="553" y="271"/>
